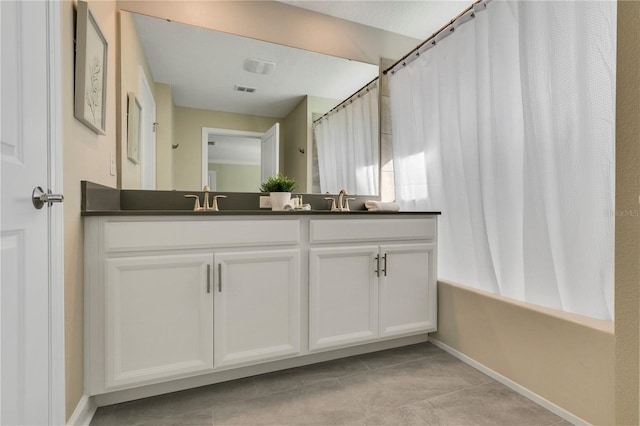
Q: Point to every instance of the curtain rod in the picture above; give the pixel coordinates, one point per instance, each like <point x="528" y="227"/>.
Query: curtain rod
<point x="366" y="86"/>
<point x="416" y="50"/>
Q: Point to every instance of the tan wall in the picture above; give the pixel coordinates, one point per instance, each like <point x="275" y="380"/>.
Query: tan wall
<point x="627" y="238"/>
<point x="294" y="164"/>
<point x="164" y="136"/>
<point x="236" y="177"/>
<point x="188" y="124"/>
<point x="86" y="156"/>
<point x="565" y="358"/>
<point x="131" y="59"/>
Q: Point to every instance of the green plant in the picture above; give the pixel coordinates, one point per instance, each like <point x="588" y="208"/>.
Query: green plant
<point x="278" y="183"/>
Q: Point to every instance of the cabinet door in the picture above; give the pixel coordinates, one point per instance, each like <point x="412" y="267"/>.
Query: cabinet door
<point x="257" y="306"/>
<point x="159" y="317"/>
<point x="343" y="296"/>
<point x="407" y="289"/>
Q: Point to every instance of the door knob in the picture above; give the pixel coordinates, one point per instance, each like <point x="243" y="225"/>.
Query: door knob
<point x="39" y="197"/>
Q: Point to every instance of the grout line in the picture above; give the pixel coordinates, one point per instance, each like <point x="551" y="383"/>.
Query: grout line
<point x="428" y="400"/>
<point x="255" y="386"/>
<point x="364" y="411"/>
<point x="410" y="360"/>
<point x="364" y="363"/>
<point x="460" y="390"/>
<point x="558" y="422"/>
<point x="301" y="385"/>
<point x="357" y="358"/>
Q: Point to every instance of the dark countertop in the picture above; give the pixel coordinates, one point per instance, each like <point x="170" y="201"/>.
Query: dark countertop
<point x="99" y="200"/>
<point x="262" y="212"/>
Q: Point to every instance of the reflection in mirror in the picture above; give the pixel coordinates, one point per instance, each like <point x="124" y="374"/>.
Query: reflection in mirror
<point x="347" y="146"/>
<point x="233" y="159"/>
<point x="206" y="79"/>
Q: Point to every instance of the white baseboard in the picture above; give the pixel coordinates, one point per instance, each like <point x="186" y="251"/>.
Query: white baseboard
<point x="83" y="413"/>
<point x="571" y="418"/>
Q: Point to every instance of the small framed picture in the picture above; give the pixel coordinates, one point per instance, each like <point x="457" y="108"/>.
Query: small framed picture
<point x="91" y="71"/>
<point x="134" y="118"/>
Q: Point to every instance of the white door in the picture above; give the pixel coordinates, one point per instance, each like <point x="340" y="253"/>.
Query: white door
<point x="257" y="306"/>
<point x="31" y="330"/>
<point x="147" y="134"/>
<point x="407" y="289"/>
<point x="343" y="296"/>
<point x="270" y="153"/>
<point x="213" y="180"/>
<point x="159" y="318"/>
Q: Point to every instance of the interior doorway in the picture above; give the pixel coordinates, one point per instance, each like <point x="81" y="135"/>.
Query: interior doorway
<point x="238" y="160"/>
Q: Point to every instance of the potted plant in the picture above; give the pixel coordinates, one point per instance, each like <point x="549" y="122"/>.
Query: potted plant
<point x="279" y="188"/>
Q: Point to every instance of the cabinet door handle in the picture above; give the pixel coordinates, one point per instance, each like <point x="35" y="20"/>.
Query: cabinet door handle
<point x="377" y="271"/>
<point x="208" y="278"/>
<point x="385" y="265"/>
<point x="219" y="277"/>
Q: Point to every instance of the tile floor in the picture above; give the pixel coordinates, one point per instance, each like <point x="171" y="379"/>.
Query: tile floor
<point x="412" y="385"/>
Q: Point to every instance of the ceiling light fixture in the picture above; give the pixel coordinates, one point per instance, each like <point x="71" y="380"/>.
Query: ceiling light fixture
<point x="259" y="66"/>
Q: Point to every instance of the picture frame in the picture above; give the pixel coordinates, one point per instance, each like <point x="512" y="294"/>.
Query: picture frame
<point x="91" y="71"/>
<point x="134" y="122"/>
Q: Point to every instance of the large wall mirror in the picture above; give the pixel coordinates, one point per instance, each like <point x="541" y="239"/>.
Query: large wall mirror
<point x="220" y="99"/>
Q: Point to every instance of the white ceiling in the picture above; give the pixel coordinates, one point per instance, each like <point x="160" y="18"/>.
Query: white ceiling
<point x="203" y="66"/>
<point x="414" y="18"/>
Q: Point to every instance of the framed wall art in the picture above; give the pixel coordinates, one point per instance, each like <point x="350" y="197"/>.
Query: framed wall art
<point x="91" y="71"/>
<point x="134" y="121"/>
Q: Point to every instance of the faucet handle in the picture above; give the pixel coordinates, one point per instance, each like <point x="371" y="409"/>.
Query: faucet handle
<point x="214" y="207"/>
<point x="346" y="204"/>
<point x="333" y="203"/>
<point x="196" y="207"/>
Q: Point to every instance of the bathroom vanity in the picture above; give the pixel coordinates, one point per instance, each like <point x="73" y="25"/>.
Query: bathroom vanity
<point x="195" y="298"/>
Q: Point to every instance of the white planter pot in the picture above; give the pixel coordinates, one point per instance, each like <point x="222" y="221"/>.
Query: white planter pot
<point x="279" y="199"/>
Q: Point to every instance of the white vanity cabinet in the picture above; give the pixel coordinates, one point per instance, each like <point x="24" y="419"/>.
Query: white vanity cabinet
<point x="407" y="289"/>
<point x="343" y="296"/>
<point x="158" y="317"/>
<point x="173" y="302"/>
<point x="168" y="298"/>
<point x="360" y="293"/>
<point x="257" y="306"/>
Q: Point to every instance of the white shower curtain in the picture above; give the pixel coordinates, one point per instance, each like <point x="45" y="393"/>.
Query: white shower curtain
<point x="347" y="142"/>
<point x="507" y="125"/>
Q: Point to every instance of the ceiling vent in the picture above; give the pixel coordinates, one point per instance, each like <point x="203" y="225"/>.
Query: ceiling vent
<point x="259" y="66"/>
<point x="246" y="89"/>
